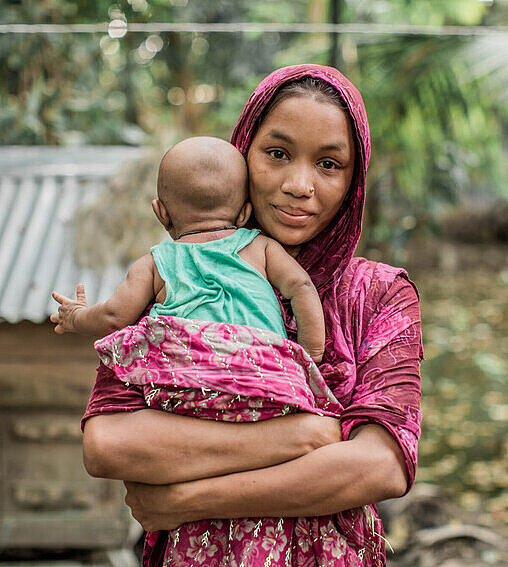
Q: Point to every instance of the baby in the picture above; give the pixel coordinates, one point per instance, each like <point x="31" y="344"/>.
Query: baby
<point x="212" y="270"/>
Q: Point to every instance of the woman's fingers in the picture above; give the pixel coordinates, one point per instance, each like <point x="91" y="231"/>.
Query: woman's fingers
<point x="144" y="502"/>
<point x="137" y="504"/>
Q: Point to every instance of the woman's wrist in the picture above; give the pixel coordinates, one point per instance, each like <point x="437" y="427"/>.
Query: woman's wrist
<point x="193" y="501"/>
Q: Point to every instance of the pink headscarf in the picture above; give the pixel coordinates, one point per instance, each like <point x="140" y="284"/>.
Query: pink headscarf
<point x="327" y="255"/>
<point x="373" y="339"/>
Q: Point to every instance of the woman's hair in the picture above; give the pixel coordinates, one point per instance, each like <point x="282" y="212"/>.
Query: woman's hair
<point x="317" y="88"/>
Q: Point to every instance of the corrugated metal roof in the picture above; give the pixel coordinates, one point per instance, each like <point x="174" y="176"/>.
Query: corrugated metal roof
<point x="40" y="189"/>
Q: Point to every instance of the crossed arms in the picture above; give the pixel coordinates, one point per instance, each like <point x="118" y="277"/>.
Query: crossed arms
<point x="180" y="469"/>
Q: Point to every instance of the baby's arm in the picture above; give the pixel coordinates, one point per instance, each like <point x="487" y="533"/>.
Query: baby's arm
<point x="286" y="274"/>
<point x="123" y="308"/>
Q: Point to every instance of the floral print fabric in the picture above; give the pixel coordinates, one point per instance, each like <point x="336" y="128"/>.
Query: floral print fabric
<point x="234" y="373"/>
<point x="209" y="369"/>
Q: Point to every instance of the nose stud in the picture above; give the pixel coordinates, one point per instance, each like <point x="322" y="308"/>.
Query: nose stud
<point x="311" y="190"/>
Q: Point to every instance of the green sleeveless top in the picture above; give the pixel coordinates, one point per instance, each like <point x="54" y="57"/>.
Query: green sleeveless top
<point x="209" y="281"/>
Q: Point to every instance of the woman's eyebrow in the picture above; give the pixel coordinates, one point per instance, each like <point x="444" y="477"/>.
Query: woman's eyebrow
<point x="277" y="134"/>
<point x="280" y="136"/>
<point x="334" y="147"/>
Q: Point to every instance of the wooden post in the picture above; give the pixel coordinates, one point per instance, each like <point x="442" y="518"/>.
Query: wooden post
<point x="336" y="9"/>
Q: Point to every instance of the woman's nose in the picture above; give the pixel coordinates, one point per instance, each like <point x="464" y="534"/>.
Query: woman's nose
<point x="298" y="184"/>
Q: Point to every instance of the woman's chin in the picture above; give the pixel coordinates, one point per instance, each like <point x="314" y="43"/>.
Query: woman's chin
<point x="287" y="236"/>
<point x="292" y="242"/>
<point x="293" y="236"/>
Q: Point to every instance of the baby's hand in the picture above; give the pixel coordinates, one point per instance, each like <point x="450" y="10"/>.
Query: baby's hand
<point x="65" y="318"/>
<point x="317" y="356"/>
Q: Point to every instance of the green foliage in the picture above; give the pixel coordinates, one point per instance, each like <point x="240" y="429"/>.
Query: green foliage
<point x="431" y="13"/>
<point x="90" y="88"/>
<point x="437" y="105"/>
<point x="53" y="92"/>
<point x="465" y="410"/>
<point x="435" y="129"/>
<point x="437" y="109"/>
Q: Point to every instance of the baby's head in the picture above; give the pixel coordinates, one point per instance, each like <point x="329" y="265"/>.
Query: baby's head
<point x="202" y="180"/>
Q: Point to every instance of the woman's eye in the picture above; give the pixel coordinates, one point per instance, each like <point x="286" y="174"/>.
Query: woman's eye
<point x="277" y="154"/>
<point x="328" y="164"/>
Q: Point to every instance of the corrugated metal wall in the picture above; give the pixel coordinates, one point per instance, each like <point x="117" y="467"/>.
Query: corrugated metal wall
<point x="40" y="189"/>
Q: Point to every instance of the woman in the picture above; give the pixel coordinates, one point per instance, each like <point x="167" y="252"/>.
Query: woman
<point x="304" y="133"/>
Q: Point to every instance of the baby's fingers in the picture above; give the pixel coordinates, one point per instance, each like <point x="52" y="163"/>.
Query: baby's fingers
<point x="55" y="318"/>
<point x="60" y="298"/>
<point x="80" y="294"/>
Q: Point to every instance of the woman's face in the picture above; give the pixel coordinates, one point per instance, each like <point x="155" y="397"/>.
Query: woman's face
<point x="301" y="163"/>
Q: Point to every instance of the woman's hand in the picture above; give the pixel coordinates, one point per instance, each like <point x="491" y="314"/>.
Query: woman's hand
<point x="321" y="430"/>
<point x="154" y="507"/>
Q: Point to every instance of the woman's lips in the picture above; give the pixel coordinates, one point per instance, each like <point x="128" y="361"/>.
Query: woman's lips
<point x="292" y="217"/>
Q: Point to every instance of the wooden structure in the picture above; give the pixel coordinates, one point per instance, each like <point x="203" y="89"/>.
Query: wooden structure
<point x="47" y="500"/>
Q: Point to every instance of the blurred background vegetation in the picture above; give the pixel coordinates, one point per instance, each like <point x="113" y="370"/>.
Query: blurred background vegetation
<point x="438" y="105"/>
<point x="438" y="181"/>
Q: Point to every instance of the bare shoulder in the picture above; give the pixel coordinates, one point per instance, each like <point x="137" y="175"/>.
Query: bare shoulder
<point x="265" y="241"/>
<point x="159" y="285"/>
<point x="271" y="247"/>
<point x="143" y="272"/>
<point x="261" y="241"/>
<point x="276" y="251"/>
<point x="255" y="254"/>
<point x="142" y="266"/>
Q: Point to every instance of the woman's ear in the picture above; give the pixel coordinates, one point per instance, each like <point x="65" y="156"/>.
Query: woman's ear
<point x="244" y="215"/>
<point x="161" y="213"/>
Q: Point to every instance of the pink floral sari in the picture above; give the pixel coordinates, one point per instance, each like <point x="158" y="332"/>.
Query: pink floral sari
<point x="231" y="373"/>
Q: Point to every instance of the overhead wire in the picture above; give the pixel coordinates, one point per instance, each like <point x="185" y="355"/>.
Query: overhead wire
<point x="245" y="27"/>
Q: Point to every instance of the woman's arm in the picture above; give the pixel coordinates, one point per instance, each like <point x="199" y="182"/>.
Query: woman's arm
<point x="377" y="461"/>
<point x="125" y="440"/>
<point x="368" y="468"/>
<point x="155" y="447"/>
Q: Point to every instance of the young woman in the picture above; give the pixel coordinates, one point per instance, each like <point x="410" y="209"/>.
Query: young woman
<point x="304" y="132"/>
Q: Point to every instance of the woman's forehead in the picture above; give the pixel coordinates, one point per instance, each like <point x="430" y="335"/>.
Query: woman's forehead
<point x="295" y="119"/>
